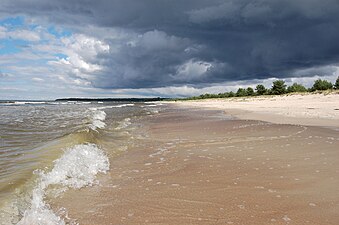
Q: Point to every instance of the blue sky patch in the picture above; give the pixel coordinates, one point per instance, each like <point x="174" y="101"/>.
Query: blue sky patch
<point x="59" y="33"/>
<point x="61" y="56"/>
<point x="13" y="22"/>
<point x="10" y="46"/>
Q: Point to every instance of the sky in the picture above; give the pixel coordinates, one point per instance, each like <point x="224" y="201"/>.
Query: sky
<point x="167" y="48"/>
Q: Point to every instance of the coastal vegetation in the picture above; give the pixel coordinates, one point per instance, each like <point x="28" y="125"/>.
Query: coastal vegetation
<point x="278" y="87"/>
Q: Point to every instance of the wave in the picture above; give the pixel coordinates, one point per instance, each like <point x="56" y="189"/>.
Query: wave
<point x="23" y="103"/>
<point x="115" y="106"/>
<point x="17" y="103"/>
<point x="61" y="103"/>
<point x="124" y="105"/>
<point x="76" y="168"/>
<point x="123" y="124"/>
<point x="98" y="117"/>
<point x="152" y="105"/>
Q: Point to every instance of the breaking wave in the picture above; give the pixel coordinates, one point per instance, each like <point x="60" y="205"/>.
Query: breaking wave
<point x="123" y="124"/>
<point x="22" y="103"/>
<point x="98" y="117"/>
<point x="115" y="106"/>
<point x="76" y="168"/>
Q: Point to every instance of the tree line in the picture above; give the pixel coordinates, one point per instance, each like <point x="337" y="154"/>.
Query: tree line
<point x="278" y="88"/>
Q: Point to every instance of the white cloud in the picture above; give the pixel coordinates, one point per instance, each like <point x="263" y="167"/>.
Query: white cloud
<point x="85" y="46"/>
<point x="41" y="62"/>
<point x="81" y="51"/>
<point x="37" y="79"/>
<point x="158" y="40"/>
<point x="226" y="10"/>
<point x="20" y="34"/>
<point x="192" y="69"/>
<point x="26" y="35"/>
<point x="330" y="73"/>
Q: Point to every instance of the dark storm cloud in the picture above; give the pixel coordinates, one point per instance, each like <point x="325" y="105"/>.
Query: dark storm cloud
<point x="199" y="42"/>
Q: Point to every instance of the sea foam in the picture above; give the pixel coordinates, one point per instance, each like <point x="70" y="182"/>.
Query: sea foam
<point x="98" y="117"/>
<point x="76" y="168"/>
<point x="23" y="103"/>
<point x="115" y="106"/>
<point x="123" y="124"/>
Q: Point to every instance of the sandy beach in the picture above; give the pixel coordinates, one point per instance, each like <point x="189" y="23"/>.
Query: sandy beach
<point x="169" y="112"/>
<point x="190" y="165"/>
<point x="307" y="109"/>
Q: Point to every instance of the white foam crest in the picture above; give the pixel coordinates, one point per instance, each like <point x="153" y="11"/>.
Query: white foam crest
<point x="72" y="103"/>
<point x="62" y="103"/>
<point x="98" y="117"/>
<point x="115" y="106"/>
<point x="124" y="105"/>
<point x="152" y="105"/>
<point x="123" y="124"/>
<point x="30" y="102"/>
<point x="76" y="168"/>
<point x="24" y="103"/>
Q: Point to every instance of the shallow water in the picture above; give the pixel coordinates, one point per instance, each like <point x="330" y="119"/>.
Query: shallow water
<point x="49" y="147"/>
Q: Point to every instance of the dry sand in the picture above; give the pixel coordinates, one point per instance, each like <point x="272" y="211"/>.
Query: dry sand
<point x="307" y="109"/>
<point x="193" y="166"/>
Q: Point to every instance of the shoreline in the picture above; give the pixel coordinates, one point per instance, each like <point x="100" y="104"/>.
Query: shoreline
<point x="310" y="109"/>
<point x="196" y="166"/>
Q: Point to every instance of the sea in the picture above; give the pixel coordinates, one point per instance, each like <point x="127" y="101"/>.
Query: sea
<point x="49" y="147"/>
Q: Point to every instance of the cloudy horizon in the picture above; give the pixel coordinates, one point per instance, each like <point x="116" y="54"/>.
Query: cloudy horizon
<point x="151" y="48"/>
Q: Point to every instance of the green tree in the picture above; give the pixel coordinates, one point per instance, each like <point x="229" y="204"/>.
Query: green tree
<point x="321" y="85"/>
<point x="250" y="91"/>
<point x="221" y="95"/>
<point x="241" y="92"/>
<point x="278" y="87"/>
<point x="261" y="90"/>
<point x="336" y="85"/>
<point x="203" y="96"/>
<point x="296" y="88"/>
<point x="230" y="94"/>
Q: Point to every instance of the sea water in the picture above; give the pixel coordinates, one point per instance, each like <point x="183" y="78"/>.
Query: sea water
<point x="47" y="148"/>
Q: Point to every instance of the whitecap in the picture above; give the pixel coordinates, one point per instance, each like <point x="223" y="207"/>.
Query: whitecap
<point x="76" y="168"/>
<point x="24" y="103"/>
<point x="97" y="119"/>
<point x="123" y="124"/>
<point x="116" y="106"/>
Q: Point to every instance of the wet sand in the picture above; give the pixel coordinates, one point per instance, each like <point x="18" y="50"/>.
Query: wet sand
<point x="195" y="166"/>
